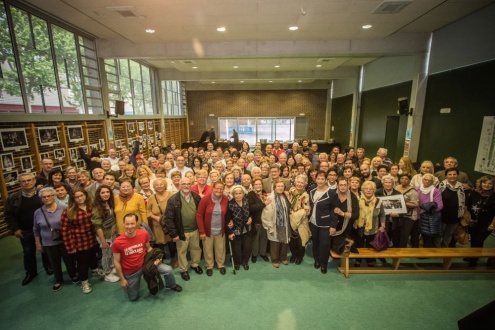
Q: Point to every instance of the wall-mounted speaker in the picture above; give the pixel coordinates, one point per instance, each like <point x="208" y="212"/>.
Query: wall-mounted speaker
<point x="119" y="107"/>
<point x="403" y="105"/>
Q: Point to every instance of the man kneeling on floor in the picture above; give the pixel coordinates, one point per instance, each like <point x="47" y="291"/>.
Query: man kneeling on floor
<point x="129" y="251"/>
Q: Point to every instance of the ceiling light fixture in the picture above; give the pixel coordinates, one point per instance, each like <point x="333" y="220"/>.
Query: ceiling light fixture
<point x="212" y="82"/>
<point x="194" y="67"/>
<point x="150" y="31"/>
<point x="236" y="67"/>
<point x="293" y="28"/>
<point x="318" y="65"/>
<point x="367" y="26"/>
<point x="270" y="81"/>
<point x="277" y="66"/>
<point x="300" y="81"/>
<point x="242" y="81"/>
<point x="221" y="29"/>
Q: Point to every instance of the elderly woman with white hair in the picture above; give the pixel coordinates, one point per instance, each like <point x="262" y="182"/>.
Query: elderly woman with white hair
<point x="238" y="219"/>
<point x="300" y="210"/>
<point x="430" y="207"/>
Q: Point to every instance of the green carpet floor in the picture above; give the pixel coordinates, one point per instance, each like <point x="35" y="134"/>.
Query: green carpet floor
<point x="291" y="297"/>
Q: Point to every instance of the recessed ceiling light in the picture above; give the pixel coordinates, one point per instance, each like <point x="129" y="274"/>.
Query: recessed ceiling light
<point x="242" y="81"/>
<point x="150" y="31"/>
<point x="277" y="66"/>
<point x="318" y="65"/>
<point x="236" y="67"/>
<point x="212" y="82"/>
<point x="221" y="29"/>
<point x="194" y="67"/>
<point x="270" y="81"/>
<point x="299" y="81"/>
<point x="367" y="26"/>
<point x="293" y="28"/>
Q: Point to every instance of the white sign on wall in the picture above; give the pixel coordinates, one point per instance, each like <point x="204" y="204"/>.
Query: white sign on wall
<point x="485" y="160"/>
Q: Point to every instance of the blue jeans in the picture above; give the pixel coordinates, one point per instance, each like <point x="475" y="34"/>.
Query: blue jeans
<point x="134" y="280"/>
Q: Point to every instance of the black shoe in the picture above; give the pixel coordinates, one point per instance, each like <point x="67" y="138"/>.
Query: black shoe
<point x="48" y="271"/>
<point x="246" y="266"/>
<point x="298" y="261"/>
<point x="292" y="259"/>
<point x="317" y="265"/>
<point x="323" y="270"/>
<point x="197" y="269"/>
<point x="185" y="276"/>
<point x="57" y="287"/>
<point x="254" y="259"/>
<point x="236" y="267"/>
<point x="265" y="258"/>
<point x="28" y="279"/>
<point x="209" y="272"/>
<point x="176" y="288"/>
<point x="222" y="271"/>
<point x="75" y="279"/>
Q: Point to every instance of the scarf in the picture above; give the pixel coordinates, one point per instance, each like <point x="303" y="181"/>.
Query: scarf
<point x="125" y="198"/>
<point x="281" y="209"/>
<point x="295" y="196"/>
<point x="427" y="191"/>
<point x="461" y="196"/>
<point x="366" y="209"/>
<point x="240" y="215"/>
<point x="349" y="209"/>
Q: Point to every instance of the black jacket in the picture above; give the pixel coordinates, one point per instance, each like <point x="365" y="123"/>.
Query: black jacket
<point x="256" y="207"/>
<point x="150" y="271"/>
<point x="324" y="214"/>
<point x="13" y="208"/>
<point x="173" y="217"/>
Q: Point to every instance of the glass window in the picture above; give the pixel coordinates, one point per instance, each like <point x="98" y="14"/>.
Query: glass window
<point x="91" y="78"/>
<point x="255" y="129"/>
<point x="10" y="89"/>
<point x="172" y="95"/>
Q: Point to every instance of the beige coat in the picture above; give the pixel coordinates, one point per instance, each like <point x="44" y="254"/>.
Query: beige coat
<point x="299" y="219"/>
<point x="269" y="220"/>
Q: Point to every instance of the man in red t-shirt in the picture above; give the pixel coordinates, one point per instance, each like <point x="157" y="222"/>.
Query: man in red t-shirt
<point x="129" y="251"/>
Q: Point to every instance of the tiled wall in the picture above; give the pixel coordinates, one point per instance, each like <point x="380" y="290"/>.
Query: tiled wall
<point x="276" y="103"/>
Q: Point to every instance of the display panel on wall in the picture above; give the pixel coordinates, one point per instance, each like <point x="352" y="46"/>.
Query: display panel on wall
<point x="13" y="139"/>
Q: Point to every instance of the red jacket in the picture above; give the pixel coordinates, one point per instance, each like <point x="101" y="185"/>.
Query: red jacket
<point x="205" y="210"/>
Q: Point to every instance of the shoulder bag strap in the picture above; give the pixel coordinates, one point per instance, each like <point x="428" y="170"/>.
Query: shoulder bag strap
<point x="41" y="208"/>
<point x="158" y="204"/>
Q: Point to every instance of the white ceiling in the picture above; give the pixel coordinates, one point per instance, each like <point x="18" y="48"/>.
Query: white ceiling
<point x="257" y="35"/>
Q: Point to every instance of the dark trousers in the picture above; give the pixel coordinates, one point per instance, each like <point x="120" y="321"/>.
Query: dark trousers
<point x="321" y="243"/>
<point x="172" y="247"/>
<point x="86" y="260"/>
<point x="278" y="251"/>
<point x="55" y="254"/>
<point x="241" y="249"/>
<point x="408" y="227"/>
<point x="432" y="241"/>
<point x="29" y="252"/>
<point x="365" y="241"/>
<point x="478" y="233"/>
<point x="296" y="248"/>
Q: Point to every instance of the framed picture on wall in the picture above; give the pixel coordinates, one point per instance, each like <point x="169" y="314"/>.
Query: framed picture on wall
<point x="13" y="139"/>
<point x="118" y="144"/>
<point x="130" y="142"/>
<point x="94" y="146"/>
<point x="10" y="177"/>
<point x="59" y="153"/>
<point x="44" y="155"/>
<point x="80" y="164"/>
<point x="85" y="149"/>
<point x="101" y="142"/>
<point x="150" y="126"/>
<point x="48" y="135"/>
<point x="130" y="127"/>
<point x="73" y="153"/>
<point x="141" y="126"/>
<point x="75" y="133"/>
<point x="7" y="161"/>
<point x="26" y="163"/>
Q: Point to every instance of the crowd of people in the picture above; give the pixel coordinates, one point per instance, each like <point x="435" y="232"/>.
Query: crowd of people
<point x="120" y="218"/>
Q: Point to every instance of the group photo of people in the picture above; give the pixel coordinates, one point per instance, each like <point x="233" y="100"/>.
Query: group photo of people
<point x="206" y="209"/>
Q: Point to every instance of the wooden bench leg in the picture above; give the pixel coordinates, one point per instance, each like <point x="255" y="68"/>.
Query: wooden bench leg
<point x="395" y="263"/>
<point x="346" y="266"/>
<point x="447" y="262"/>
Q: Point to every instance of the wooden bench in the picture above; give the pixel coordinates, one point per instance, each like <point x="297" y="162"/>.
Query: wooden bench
<point x="447" y="254"/>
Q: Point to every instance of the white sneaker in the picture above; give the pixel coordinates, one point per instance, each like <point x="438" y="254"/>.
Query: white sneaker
<point x="111" y="278"/>
<point x="86" y="287"/>
<point x="97" y="272"/>
<point x="114" y="271"/>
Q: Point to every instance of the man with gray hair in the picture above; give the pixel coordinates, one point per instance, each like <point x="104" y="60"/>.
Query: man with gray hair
<point x="382" y="153"/>
<point x="451" y="162"/>
<point x="257" y="160"/>
<point x="19" y="214"/>
<point x="112" y="157"/>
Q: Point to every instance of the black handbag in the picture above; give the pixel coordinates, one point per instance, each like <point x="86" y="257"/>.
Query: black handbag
<point x="56" y="233"/>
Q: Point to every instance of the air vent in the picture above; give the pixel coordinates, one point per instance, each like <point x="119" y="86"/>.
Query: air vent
<point x="187" y="61"/>
<point x="391" y="7"/>
<point x="324" y="60"/>
<point x="124" y="11"/>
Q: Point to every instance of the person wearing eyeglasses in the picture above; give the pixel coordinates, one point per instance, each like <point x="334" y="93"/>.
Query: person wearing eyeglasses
<point x="45" y="220"/>
<point x="19" y="212"/>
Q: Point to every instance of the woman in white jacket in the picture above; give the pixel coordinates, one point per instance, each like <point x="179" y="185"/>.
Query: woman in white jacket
<point x="275" y="219"/>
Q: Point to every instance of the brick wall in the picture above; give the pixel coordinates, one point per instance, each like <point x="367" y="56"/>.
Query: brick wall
<point x="276" y="103"/>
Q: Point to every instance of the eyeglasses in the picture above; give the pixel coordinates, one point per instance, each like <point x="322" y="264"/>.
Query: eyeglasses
<point x="47" y="196"/>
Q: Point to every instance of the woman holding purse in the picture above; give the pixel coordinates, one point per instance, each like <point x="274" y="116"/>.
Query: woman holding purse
<point x="46" y="228"/>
